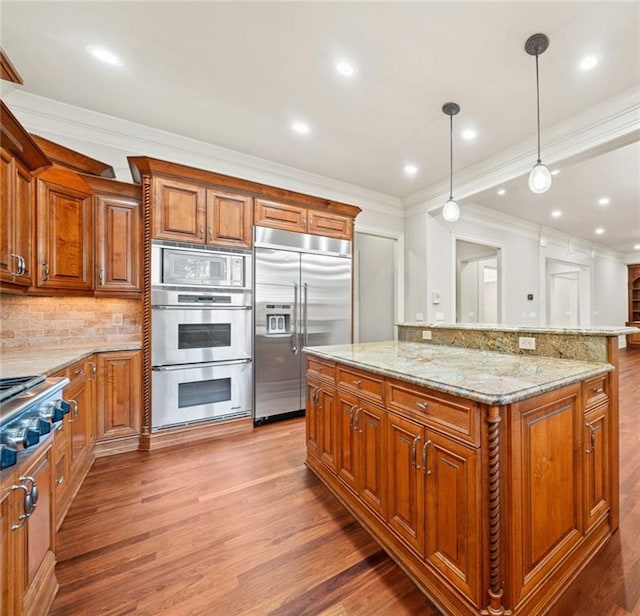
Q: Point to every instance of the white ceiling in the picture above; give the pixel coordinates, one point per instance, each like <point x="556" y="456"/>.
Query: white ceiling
<point x="236" y="74"/>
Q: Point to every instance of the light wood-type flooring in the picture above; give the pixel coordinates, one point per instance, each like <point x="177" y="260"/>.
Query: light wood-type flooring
<point x="239" y="526"/>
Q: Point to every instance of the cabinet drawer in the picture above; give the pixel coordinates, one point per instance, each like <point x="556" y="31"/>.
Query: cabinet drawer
<point x="363" y="384"/>
<point x="596" y="392"/>
<point x="77" y="373"/>
<point x="317" y="367"/>
<point x="452" y="415"/>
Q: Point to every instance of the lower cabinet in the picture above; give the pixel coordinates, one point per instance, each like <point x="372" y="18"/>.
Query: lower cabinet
<point x="118" y="395"/>
<point x="596" y="467"/>
<point x="27" y="559"/>
<point x="321" y="422"/>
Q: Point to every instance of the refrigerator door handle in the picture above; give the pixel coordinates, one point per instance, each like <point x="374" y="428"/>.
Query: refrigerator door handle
<point x="294" y="328"/>
<point x="305" y="288"/>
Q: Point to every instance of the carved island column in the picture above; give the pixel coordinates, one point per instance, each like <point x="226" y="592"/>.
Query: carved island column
<point x="145" y="435"/>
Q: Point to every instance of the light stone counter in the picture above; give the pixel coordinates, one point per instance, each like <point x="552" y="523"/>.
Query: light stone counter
<point x="34" y="361"/>
<point x="484" y="376"/>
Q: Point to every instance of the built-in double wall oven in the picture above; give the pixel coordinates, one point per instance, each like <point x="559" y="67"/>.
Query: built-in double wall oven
<point x="201" y="340"/>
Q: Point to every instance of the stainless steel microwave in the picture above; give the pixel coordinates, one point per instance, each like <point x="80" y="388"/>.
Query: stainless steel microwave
<point x="179" y="266"/>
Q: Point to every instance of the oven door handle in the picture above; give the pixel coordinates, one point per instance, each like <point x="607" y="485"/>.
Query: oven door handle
<point x="210" y="364"/>
<point x="203" y="307"/>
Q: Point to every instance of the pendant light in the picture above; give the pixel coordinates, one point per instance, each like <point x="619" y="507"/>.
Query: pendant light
<point x="451" y="210"/>
<point x="539" y="178"/>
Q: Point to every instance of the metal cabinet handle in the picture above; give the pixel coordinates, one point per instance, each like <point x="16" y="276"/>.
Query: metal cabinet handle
<point x="414" y="446"/>
<point x="593" y="438"/>
<point x="100" y="276"/>
<point x="201" y="232"/>
<point x="598" y="390"/>
<point x="357" y="383"/>
<point x="78" y="371"/>
<point x="422" y="405"/>
<point x="425" y="458"/>
<point x="46" y="271"/>
<point x="22" y="265"/>
<point x="75" y="411"/>
<point x="17" y="258"/>
<point x="210" y="234"/>
<point x="60" y="480"/>
<point x="352" y="411"/>
<point x="94" y="369"/>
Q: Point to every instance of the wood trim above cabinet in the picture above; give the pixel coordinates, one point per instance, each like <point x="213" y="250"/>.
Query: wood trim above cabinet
<point x="142" y="165"/>
<point x="15" y="139"/>
<point x="66" y="157"/>
<point x="8" y="72"/>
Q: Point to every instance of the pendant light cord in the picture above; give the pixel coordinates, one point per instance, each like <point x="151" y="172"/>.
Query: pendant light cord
<point x="451" y="158"/>
<point x="538" y="105"/>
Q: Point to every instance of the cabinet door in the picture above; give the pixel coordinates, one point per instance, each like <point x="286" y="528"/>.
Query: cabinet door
<point x="65" y="237"/>
<point x="119" y="391"/>
<point x="328" y="425"/>
<point x="16" y="220"/>
<point x="8" y="564"/>
<point x="596" y="464"/>
<point x="229" y="219"/>
<point x="78" y="420"/>
<point x="453" y="540"/>
<point x="331" y="225"/>
<point x="347" y="405"/>
<point x="178" y="211"/>
<point x="280" y="216"/>
<point x="405" y="487"/>
<point x="312" y="417"/>
<point x="118" y="245"/>
<point x="371" y="451"/>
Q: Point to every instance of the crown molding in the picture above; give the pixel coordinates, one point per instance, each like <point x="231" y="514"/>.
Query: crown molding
<point x="545" y="236"/>
<point x="606" y="126"/>
<point x="64" y="121"/>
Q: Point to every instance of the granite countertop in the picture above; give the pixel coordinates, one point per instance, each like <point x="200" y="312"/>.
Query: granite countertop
<point x="35" y="361"/>
<point x="596" y="330"/>
<point x="483" y="376"/>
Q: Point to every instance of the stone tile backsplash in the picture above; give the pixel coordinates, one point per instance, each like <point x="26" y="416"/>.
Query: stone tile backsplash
<point x="68" y="321"/>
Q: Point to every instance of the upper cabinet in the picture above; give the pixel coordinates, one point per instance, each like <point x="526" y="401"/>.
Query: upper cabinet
<point x="302" y="219"/>
<point x="19" y="156"/>
<point x="118" y="237"/>
<point x="203" y="207"/>
<point x="64" y="231"/>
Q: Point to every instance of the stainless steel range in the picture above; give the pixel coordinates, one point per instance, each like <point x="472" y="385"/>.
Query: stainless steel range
<point x="30" y="408"/>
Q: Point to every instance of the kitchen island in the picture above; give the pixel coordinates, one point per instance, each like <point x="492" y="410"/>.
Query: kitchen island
<point x="489" y="477"/>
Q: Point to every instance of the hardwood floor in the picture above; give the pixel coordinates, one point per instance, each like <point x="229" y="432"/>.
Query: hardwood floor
<point x="239" y="526"/>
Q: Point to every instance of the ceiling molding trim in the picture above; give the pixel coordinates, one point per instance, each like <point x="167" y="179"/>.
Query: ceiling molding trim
<point x="499" y="221"/>
<point x="615" y="121"/>
<point x="61" y="119"/>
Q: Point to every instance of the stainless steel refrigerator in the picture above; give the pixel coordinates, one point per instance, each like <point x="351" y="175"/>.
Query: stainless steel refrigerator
<point x="302" y="298"/>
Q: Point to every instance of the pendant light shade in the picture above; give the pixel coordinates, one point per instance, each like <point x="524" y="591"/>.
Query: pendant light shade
<point x="539" y="178"/>
<point x="451" y="209"/>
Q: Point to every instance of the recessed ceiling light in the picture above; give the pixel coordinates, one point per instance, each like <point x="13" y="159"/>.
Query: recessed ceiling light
<point x="502" y="191"/>
<point x="104" y="55"/>
<point x="599" y="231"/>
<point x="469" y="134"/>
<point x="345" y="68"/>
<point x="588" y="62"/>
<point x="300" y="127"/>
<point x="636" y="246"/>
<point x="556" y="213"/>
<point x="604" y="201"/>
<point x="555" y="172"/>
<point x="410" y="169"/>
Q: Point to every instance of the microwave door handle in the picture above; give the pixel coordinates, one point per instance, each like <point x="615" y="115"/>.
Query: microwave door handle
<point x="304" y="322"/>
<point x="294" y="329"/>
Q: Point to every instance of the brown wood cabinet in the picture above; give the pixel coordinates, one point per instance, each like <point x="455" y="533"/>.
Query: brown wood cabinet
<point x="27" y="559"/>
<point x="119" y="396"/>
<point x="118" y="238"/>
<point x="19" y="156"/>
<point x="484" y="506"/>
<point x="64" y="231"/>
<point x="302" y="219"/>
<point x="321" y="421"/>
<point x="633" y="278"/>
<point x="229" y="219"/>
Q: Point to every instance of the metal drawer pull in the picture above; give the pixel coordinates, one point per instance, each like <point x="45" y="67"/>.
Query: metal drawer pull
<point x="60" y="480"/>
<point x="18" y="265"/>
<point x="593" y="438"/>
<point x="46" y="271"/>
<point x="598" y="390"/>
<point x="210" y="234"/>
<point x="425" y="459"/>
<point x="414" y="445"/>
<point x="422" y="405"/>
<point x="357" y="383"/>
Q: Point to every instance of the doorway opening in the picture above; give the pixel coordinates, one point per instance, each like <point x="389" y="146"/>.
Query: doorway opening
<point x="478" y="287"/>
<point x="567" y="293"/>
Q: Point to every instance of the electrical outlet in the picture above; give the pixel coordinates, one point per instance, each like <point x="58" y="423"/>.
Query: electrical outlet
<point x="419" y="316"/>
<point x="426" y="334"/>
<point x="526" y="342"/>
